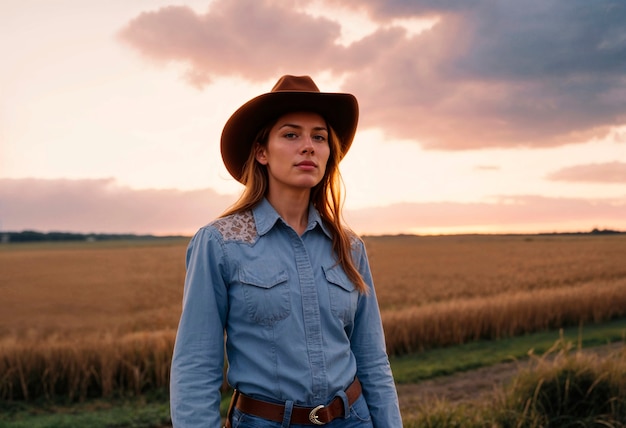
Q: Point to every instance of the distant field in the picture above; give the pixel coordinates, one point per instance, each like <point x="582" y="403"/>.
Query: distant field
<point x="105" y="313"/>
<point x="90" y="288"/>
<point x="438" y="291"/>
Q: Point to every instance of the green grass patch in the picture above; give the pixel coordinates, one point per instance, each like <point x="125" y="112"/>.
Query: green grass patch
<point x="94" y="414"/>
<point x="142" y="412"/>
<point x="446" y="361"/>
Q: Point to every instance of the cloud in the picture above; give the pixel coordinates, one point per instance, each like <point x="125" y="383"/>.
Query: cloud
<point x="103" y="206"/>
<point x="505" y="74"/>
<point x="504" y="213"/>
<point x="387" y="10"/>
<point x="500" y="74"/>
<point x="610" y="172"/>
<point x="253" y="39"/>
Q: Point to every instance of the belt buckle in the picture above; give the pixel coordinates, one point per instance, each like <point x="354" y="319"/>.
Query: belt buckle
<point x="313" y="416"/>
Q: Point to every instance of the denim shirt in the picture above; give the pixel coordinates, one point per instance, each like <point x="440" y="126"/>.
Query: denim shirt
<point x="294" y="324"/>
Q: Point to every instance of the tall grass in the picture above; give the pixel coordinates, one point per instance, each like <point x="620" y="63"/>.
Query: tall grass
<point x="494" y="317"/>
<point x="77" y="370"/>
<point x="560" y="388"/>
<point x="412" y="271"/>
<point x="569" y="389"/>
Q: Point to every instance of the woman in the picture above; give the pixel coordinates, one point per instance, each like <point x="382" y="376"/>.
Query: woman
<point x="282" y="281"/>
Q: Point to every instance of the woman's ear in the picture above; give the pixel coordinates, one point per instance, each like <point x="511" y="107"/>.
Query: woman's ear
<point x="260" y="153"/>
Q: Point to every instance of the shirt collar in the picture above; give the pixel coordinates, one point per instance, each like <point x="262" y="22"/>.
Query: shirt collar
<point x="265" y="217"/>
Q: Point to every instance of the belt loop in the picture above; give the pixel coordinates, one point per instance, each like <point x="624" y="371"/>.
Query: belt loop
<point x="287" y="415"/>
<point x="346" y="403"/>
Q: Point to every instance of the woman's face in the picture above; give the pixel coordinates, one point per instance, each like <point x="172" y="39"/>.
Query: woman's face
<point x="296" y="152"/>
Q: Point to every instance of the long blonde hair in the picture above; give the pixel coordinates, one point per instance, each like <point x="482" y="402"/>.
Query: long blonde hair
<point x="326" y="197"/>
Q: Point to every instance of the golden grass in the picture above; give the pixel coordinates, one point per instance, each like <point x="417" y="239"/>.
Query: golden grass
<point x="561" y="388"/>
<point x="439" y="291"/>
<point x="99" y="318"/>
<point x="90" y="288"/>
<point x="566" y="388"/>
<point x="78" y="369"/>
<point x="415" y="271"/>
<point x="494" y="317"/>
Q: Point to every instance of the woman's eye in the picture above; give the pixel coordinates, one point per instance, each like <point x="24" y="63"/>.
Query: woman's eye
<point x="291" y="135"/>
<point x="320" y="138"/>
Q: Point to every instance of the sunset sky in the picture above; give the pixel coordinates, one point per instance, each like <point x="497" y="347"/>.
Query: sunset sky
<point x="477" y="116"/>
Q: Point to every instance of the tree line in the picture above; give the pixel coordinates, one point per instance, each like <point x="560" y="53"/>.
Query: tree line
<point x="34" y="236"/>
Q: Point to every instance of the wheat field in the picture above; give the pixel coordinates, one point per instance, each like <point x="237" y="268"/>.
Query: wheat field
<point x="98" y="319"/>
<point x="445" y="290"/>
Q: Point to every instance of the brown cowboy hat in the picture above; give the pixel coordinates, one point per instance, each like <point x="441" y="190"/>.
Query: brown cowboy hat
<point x="291" y="93"/>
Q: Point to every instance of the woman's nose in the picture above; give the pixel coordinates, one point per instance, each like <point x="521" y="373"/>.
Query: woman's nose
<point x="308" y="145"/>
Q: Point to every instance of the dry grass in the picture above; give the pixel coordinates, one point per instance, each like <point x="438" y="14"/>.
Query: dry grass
<point x="90" y="288"/>
<point x="562" y="388"/>
<point x="565" y="387"/>
<point x="439" y="291"/>
<point x="499" y="316"/>
<point x="99" y="318"/>
<point x="84" y="320"/>
<point x="78" y="369"/>
<point x="416" y="271"/>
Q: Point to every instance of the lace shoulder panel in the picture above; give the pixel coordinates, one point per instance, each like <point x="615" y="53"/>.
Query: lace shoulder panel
<point x="355" y="240"/>
<point x="237" y="227"/>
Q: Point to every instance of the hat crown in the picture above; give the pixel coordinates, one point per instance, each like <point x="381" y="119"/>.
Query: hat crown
<point x="295" y="83"/>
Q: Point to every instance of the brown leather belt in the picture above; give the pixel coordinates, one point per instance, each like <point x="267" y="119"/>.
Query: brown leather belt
<point x="319" y="415"/>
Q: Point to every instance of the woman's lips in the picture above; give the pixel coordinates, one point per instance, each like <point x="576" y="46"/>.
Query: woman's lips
<point x="306" y="165"/>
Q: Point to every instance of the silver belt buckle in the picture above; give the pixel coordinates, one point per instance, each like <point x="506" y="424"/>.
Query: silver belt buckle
<point x="314" y="418"/>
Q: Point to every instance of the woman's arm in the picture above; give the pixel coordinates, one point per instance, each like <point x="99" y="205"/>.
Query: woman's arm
<point x="368" y="346"/>
<point x="198" y="360"/>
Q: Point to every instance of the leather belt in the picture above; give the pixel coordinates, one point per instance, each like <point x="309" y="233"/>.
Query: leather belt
<point x="319" y="415"/>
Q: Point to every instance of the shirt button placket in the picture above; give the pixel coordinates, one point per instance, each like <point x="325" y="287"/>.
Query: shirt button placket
<point x="312" y="319"/>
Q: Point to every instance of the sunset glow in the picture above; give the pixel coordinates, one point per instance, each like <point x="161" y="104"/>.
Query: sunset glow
<point x="474" y="118"/>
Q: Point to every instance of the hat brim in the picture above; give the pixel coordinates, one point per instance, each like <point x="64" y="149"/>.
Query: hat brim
<point x="340" y="110"/>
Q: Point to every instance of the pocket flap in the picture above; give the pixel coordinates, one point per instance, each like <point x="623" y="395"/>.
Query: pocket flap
<point x="336" y="275"/>
<point x="262" y="278"/>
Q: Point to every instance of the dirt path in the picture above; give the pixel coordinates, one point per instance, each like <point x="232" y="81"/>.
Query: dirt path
<point x="459" y="387"/>
<point x="470" y="385"/>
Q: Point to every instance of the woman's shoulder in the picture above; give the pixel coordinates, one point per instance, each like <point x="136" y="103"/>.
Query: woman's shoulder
<point x="356" y="242"/>
<point x="239" y="226"/>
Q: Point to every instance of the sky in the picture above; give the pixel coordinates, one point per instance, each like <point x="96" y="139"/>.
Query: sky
<point x="476" y="116"/>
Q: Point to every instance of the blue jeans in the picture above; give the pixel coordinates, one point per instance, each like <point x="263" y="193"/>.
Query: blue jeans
<point x="359" y="417"/>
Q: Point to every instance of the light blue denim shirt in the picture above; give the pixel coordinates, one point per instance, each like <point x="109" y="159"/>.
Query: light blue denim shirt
<point x="296" y="327"/>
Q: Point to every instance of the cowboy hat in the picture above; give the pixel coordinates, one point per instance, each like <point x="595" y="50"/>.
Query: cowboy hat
<point x="291" y="93"/>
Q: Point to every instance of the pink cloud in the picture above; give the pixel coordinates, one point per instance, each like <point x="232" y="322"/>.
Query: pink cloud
<point x="253" y="39"/>
<point x="102" y="206"/>
<point x="610" y="172"/>
<point x="506" y="213"/>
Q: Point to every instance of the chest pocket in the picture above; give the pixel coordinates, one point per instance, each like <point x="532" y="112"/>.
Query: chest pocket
<point x="266" y="295"/>
<point x="343" y="295"/>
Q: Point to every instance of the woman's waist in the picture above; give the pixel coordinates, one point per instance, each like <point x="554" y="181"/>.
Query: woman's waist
<point x="304" y="388"/>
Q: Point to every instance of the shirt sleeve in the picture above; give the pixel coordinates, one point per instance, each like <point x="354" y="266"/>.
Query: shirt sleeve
<point x="368" y="346"/>
<point x="198" y="359"/>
